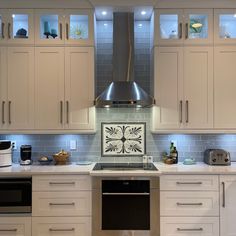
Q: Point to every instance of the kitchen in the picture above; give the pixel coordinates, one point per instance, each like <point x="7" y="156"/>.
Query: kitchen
<point x="190" y="114"/>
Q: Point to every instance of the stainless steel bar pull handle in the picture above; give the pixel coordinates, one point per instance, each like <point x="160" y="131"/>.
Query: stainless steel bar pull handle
<point x="9" y="30"/>
<point x="61" y="31"/>
<point x="125" y="194"/>
<point x="61" y="230"/>
<point x="67" y="112"/>
<point x="189" y="204"/>
<point x="8" y="230"/>
<point x="223" y="197"/>
<point x="3" y="115"/>
<point x="187" y="112"/>
<point x="180" y="183"/>
<point x="181" y="111"/>
<point x="67" y="31"/>
<point x="61" y="112"/>
<point x="9" y="112"/>
<point x="62" y="204"/>
<point x="180" y="30"/>
<point x="62" y="183"/>
<point x="3" y="29"/>
<point x="190" y="229"/>
<point x="186" y="31"/>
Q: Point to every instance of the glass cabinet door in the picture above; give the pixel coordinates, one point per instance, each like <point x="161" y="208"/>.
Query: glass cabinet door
<point x="3" y="23"/>
<point x="79" y="27"/>
<point x="20" y="26"/>
<point x="49" y="26"/>
<point x="198" y="26"/>
<point x="169" y="26"/>
<point x="225" y="26"/>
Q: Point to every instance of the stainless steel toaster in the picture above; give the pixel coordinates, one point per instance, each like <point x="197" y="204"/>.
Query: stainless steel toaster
<point x="217" y="157"/>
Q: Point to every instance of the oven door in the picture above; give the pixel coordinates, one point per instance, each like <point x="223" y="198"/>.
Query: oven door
<point x="125" y="206"/>
<point x="15" y="195"/>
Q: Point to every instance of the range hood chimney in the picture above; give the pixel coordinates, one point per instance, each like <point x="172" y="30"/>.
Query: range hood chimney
<point x="123" y="91"/>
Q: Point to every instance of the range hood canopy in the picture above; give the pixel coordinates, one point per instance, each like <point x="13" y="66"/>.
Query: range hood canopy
<point x="123" y="91"/>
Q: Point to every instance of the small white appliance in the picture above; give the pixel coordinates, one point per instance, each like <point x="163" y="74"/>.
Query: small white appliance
<point x="5" y="153"/>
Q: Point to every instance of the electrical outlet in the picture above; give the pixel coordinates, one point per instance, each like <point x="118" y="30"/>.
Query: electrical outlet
<point x="73" y="145"/>
<point x="175" y="142"/>
<point x="13" y="143"/>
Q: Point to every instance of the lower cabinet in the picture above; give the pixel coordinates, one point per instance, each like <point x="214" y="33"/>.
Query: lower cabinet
<point x="189" y="205"/>
<point x="228" y="205"/>
<point x="17" y="226"/>
<point x="63" y="226"/>
<point x="190" y="226"/>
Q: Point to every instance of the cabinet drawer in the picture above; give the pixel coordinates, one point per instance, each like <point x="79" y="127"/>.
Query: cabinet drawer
<point x="190" y="226"/>
<point x="17" y="226"/>
<point x="61" y="183"/>
<point x="189" y="203"/>
<point x="69" y="226"/>
<point x="62" y="204"/>
<point x="189" y="182"/>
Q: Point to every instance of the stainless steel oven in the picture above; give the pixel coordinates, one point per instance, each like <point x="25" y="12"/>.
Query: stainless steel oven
<point x="126" y="206"/>
<point x="15" y="195"/>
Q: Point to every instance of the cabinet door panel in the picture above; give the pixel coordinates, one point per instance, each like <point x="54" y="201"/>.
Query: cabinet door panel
<point x="3" y="87"/>
<point x="224" y="87"/>
<point x="49" y="74"/>
<point x="198" y="87"/>
<point x="168" y="88"/>
<point x="79" y="84"/>
<point x="227" y="213"/>
<point x="20" y="87"/>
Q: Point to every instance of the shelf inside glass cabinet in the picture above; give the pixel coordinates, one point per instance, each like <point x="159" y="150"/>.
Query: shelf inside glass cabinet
<point x="169" y="26"/>
<point x="20" y="26"/>
<point x="198" y="26"/>
<point x="49" y="26"/>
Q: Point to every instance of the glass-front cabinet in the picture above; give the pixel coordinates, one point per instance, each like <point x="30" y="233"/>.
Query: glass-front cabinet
<point x="64" y="27"/>
<point x="17" y="26"/>
<point x="190" y="26"/>
<point x="225" y="26"/>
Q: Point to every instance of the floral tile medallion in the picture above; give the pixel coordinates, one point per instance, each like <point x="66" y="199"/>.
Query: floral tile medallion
<point x="123" y="139"/>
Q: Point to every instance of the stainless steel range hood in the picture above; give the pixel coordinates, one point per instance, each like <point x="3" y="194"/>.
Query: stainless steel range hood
<point x="123" y="91"/>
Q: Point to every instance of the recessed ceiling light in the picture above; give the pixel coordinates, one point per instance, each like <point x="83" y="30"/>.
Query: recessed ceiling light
<point x="235" y="15"/>
<point x="104" y="13"/>
<point x="143" y="13"/>
<point x="140" y="25"/>
<point x="13" y="16"/>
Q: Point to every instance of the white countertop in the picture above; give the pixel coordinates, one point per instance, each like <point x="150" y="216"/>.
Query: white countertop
<point x="199" y="168"/>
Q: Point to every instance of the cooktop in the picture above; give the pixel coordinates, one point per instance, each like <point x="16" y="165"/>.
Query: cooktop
<point x="125" y="166"/>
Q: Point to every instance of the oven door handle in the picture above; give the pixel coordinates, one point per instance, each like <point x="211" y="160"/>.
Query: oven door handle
<point x="126" y="194"/>
<point x="15" y="182"/>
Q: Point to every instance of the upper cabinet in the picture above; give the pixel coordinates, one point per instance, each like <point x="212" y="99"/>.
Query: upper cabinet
<point x="16" y="26"/>
<point x="59" y="27"/>
<point x="184" y="27"/>
<point x="225" y="30"/>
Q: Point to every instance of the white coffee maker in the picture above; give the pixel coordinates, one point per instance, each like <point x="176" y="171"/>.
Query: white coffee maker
<point x="5" y="153"/>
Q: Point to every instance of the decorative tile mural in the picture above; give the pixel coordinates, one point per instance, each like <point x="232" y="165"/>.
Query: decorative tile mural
<point x="123" y="139"/>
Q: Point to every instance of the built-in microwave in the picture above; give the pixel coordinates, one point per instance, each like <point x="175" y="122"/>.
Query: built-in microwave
<point x="15" y="195"/>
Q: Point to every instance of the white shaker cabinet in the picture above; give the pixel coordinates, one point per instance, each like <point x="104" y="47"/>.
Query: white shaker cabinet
<point x="168" y="90"/>
<point x="79" y="88"/>
<point x="183" y="80"/>
<point x="227" y="205"/>
<point x="17" y="88"/>
<point x="49" y="84"/>
<point x="224" y="87"/>
<point x="65" y="89"/>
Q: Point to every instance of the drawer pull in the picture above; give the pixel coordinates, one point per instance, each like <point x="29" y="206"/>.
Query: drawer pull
<point x="62" y="204"/>
<point x="182" y="183"/>
<point x="126" y="194"/>
<point x="193" y="229"/>
<point x="8" y="230"/>
<point x="61" y="230"/>
<point x="189" y="204"/>
<point x="62" y="183"/>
